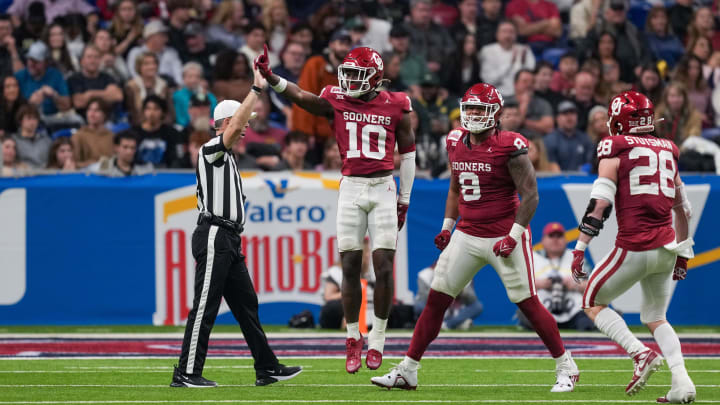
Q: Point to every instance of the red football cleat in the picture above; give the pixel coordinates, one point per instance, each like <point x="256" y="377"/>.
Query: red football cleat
<point x="373" y="360"/>
<point x="353" y="352"/>
<point x="646" y="363"/>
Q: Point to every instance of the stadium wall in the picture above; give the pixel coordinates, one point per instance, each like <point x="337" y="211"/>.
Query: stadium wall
<point x="87" y="250"/>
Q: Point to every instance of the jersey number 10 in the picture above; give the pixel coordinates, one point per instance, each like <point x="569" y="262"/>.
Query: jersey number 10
<point x="367" y="131"/>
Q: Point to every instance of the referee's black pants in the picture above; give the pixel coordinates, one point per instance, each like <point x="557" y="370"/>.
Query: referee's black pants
<point x="221" y="272"/>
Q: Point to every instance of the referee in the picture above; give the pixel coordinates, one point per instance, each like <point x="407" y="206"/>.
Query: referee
<point x="220" y="270"/>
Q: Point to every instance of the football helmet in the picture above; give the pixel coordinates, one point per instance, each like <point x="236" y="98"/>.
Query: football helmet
<point x="630" y="112"/>
<point x="360" y="72"/>
<point x="490" y="101"/>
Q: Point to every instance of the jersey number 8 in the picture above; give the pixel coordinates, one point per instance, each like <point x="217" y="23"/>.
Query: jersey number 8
<point x="469" y="186"/>
<point x="367" y="130"/>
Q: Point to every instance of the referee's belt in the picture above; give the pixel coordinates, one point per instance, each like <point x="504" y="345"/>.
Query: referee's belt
<point x="209" y="218"/>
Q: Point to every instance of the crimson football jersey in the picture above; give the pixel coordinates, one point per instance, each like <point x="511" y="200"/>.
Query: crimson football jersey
<point x="488" y="198"/>
<point x="645" y="189"/>
<point x="365" y="130"/>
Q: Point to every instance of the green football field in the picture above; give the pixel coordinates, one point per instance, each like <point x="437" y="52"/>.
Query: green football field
<point x="458" y="381"/>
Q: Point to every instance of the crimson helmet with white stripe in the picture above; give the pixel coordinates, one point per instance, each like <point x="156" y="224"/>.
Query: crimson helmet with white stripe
<point x="490" y="101"/>
<point x="360" y="72"/>
<point x="630" y="112"/>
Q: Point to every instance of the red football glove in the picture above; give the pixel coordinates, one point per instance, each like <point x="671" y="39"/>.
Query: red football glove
<point x="262" y="64"/>
<point x="402" y="213"/>
<point x="442" y="239"/>
<point x="577" y="266"/>
<point x="504" y="247"/>
<point x="680" y="271"/>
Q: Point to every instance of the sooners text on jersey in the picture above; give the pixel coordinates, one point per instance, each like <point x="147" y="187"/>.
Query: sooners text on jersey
<point x="645" y="189"/>
<point x="488" y="198"/>
<point x="365" y="130"/>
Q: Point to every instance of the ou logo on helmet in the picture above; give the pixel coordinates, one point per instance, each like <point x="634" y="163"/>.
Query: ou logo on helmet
<point x="378" y="60"/>
<point x="617" y="105"/>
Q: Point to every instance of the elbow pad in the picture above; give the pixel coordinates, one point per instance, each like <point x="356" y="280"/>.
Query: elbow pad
<point x="590" y="225"/>
<point x="407" y="176"/>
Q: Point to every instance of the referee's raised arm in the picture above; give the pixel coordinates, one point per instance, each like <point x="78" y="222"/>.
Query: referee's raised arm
<point x="239" y="120"/>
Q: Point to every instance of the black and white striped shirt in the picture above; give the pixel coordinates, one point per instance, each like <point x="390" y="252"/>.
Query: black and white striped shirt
<point x="219" y="187"/>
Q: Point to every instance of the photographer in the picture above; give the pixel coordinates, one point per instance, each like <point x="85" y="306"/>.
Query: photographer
<point x="553" y="280"/>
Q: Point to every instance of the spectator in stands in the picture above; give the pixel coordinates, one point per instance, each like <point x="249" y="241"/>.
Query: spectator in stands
<point x="488" y="22"/>
<point x="10" y="103"/>
<point x="370" y="31"/>
<point x="597" y="124"/>
<point x="393" y="64"/>
<point x="510" y="118"/>
<point x="260" y="129"/>
<point x="500" y="61"/>
<point x="443" y="14"/>
<point x="465" y="69"/>
<point x="10" y="61"/>
<point x="61" y="155"/>
<point x="689" y="73"/>
<point x="53" y="9"/>
<point x="412" y="66"/>
<point x="428" y="39"/>
<point x="292" y="59"/>
<point x="537" y="153"/>
<point x="11" y="166"/>
<point x="126" y="28"/>
<point x="195" y="141"/>
<point x="233" y="77"/>
<point x="468" y="24"/>
<point x="605" y="53"/>
<point x="610" y="84"/>
<point x="245" y="161"/>
<point x="703" y="25"/>
<point x="543" y="77"/>
<point x="562" y="80"/>
<point x="332" y="161"/>
<point x="537" y="21"/>
<point x="391" y="10"/>
<point x="441" y="109"/>
<point x="583" y="96"/>
<point x="193" y="84"/>
<point x="632" y="49"/>
<point x="681" y="14"/>
<point x="179" y="17"/>
<point x="158" y="143"/>
<point x="535" y="113"/>
<point x="555" y="286"/>
<point x="320" y="71"/>
<point x="665" y="45"/>
<point x="199" y="114"/>
<point x="570" y="147"/>
<point x="94" y="140"/>
<point x="255" y="37"/>
<point x="122" y="164"/>
<point x="460" y="315"/>
<point x="33" y="143"/>
<point x="650" y="83"/>
<point x="680" y="120"/>
<point x="60" y="56"/>
<point x="147" y="82"/>
<point x="277" y="24"/>
<point x="198" y="50"/>
<point x="155" y="37"/>
<point x="90" y="82"/>
<point x="42" y="85"/>
<point x="110" y="63"/>
<point x="226" y="26"/>
<point x="32" y="27"/>
<point x="293" y="156"/>
<point x="701" y="47"/>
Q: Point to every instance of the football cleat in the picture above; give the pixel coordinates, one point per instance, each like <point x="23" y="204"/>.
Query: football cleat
<point x="682" y="391"/>
<point x="181" y="379"/>
<point x="373" y="359"/>
<point x="353" y="354"/>
<point x="398" y="377"/>
<point x="646" y="363"/>
<point x="567" y="375"/>
<point x="279" y="373"/>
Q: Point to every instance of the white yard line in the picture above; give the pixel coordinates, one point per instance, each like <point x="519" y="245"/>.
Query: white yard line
<point x="582" y="371"/>
<point x="426" y="356"/>
<point x="357" y="401"/>
<point x="369" y="386"/>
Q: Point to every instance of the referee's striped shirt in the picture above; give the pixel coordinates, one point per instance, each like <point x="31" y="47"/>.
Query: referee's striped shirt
<point x="219" y="187"/>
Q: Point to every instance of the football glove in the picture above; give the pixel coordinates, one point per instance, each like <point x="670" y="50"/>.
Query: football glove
<point x="577" y="266"/>
<point x="442" y="239"/>
<point x="262" y="63"/>
<point x="680" y="270"/>
<point x="402" y="210"/>
<point x="504" y="247"/>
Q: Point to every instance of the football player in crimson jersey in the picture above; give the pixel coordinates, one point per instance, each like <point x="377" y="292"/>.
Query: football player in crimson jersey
<point x="489" y="168"/>
<point x="638" y="173"/>
<point x="367" y="123"/>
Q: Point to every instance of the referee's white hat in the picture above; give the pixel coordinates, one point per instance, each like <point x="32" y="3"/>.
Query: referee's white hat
<point x="227" y="108"/>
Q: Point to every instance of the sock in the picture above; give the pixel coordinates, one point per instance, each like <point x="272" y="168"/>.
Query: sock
<point x="562" y="359"/>
<point x="611" y="324"/>
<point x="353" y="330"/>
<point x="428" y="325"/>
<point x="669" y="343"/>
<point x="544" y="324"/>
<point x="376" y="337"/>
<point x="410" y="363"/>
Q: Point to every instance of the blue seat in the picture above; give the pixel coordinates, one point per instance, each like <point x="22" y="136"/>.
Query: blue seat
<point x="553" y="55"/>
<point x="65" y="132"/>
<point x="119" y="127"/>
<point x="710" y="133"/>
<point x="637" y="14"/>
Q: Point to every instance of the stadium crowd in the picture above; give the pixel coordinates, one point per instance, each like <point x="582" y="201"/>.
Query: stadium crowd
<point x="124" y="87"/>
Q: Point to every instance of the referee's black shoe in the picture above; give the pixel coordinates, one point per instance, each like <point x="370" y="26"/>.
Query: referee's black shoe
<point x="279" y="373"/>
<point x="181" y="379"/>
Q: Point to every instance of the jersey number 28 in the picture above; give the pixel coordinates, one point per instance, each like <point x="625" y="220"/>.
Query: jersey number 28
<point x="367" y="131"/>
<point x="663" y="162"/>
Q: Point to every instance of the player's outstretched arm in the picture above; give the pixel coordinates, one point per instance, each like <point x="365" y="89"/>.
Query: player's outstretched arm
<point x="451" y="213"/>
<point x="523" y="175"/>
<point x="306" y="100"/>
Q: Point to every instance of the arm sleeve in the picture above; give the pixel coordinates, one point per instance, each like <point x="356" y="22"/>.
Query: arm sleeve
<point x="407" y="176"/>
<point x="214" y="150"/>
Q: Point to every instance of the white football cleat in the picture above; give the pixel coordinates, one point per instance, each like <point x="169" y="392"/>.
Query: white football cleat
<point x="398" y="377"/>
<point x="567" y="375"/>
<point x="646" y="363"/>
<point x="682" y="391"/>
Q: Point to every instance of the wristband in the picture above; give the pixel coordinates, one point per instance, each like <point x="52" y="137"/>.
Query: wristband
<point x="581" y="246"/>
<point x="256" y="89"/>
<point x="516" y="231"/>
<point x="448" y="224"/>
<point x="280" y="86"/>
